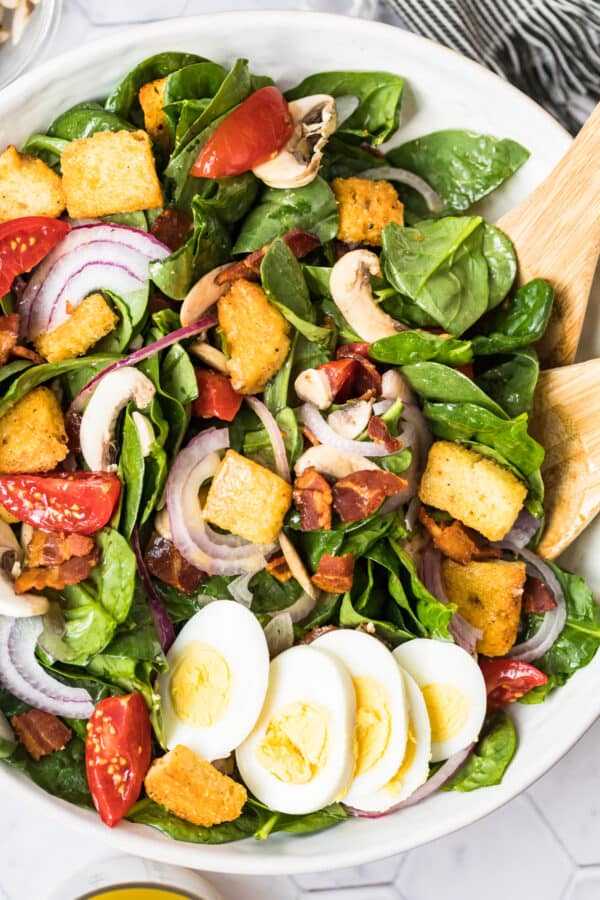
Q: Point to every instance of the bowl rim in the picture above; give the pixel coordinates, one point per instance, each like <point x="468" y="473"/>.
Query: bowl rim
<point x="132" y="838"/>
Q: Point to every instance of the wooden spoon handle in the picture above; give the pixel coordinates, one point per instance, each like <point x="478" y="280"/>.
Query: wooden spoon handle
<point x="556" y="233"/>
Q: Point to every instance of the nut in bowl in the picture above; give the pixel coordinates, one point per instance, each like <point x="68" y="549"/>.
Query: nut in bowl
<point x="175" y="538"/>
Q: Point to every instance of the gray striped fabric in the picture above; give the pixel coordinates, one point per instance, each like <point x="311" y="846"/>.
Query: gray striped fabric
<point x="550" y="49"/>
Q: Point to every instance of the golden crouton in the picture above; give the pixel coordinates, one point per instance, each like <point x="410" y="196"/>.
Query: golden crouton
<point x="191" y="788"/>
<point x="32" y="434"/>
<point x="92" y="320"/>
<point x="365" y="207"/>
<point x="247" y="499"/>
<point x="256" y="335"/>
<point x="152" y="100"/>
<point x="488" y="595"/>
<point x="472" y="488"/>
<point x="110" y="172"/>
<point x="28" y="187"/>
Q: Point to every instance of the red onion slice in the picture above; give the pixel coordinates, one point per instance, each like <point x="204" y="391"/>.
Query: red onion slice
<point x="313" y="420"/>
<point x="392" y="173"/>
<point x="275" y="436"/>
<point x="523" y="530"/>
<point x="240" y="591"/>
<point x="279" y="633"/>
<point x="430" y="573"/>
<point x="162" y="621"/>
<point x="23" y="676"/>
<point x="433" y="784"/>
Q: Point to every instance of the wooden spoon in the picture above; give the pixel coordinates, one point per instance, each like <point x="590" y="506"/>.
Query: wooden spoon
<point x="566" y="421"/>
<point x="556" y="233"/>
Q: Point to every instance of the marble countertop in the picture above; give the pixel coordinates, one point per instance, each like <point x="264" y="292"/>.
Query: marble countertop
<point x="545" y="845"/>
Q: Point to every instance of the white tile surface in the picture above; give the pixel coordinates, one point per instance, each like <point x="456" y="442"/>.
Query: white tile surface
<point x="529" y="850"/>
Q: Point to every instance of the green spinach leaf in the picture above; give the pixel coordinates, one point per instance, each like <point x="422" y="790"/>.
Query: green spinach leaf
<point x="512" y="381"/>
<point x="434" y="381"/>
<point x="124" y="97"/>
<point x="521" y="322"/>
<point x="86" y="119"/>
<point x="490" y="758"/>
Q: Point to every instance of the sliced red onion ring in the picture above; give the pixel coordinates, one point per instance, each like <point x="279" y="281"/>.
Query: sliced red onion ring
<point x="23" y="676"/>
<point x="553" y="621"/>
<point x="313" y="419"/>
<point x="391" y="173"/>
<point x="302" y="607"/>
<point x="275" y="436"/>
<point x="140" y="355"/>
<point x="240" y="591"/>
<point x="279" y="633"/>
<point x="523" y="530"/>
<point x="430" y="573"/>
<point x="162" y="621"/>
<point x="412" y="514"/>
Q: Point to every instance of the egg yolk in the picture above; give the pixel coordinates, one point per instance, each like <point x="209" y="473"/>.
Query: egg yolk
<point x="373" y="722"/>
<point x="394" y="784"/>
<point x="448" y="710"/>
<point x="295" y="745"/>
<point x="200" y="685"/>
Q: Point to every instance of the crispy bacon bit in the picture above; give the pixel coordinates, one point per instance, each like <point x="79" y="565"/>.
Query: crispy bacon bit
<point x="380" y="433"/>
<point x="345" y="349"/>
<point x="456" y="541"/>
<point x="159" y="301"/>
<point x="312" y="498"/>
<point x="279" y="569"/>
<point x="537" y="598"/>
<point x="334" y="573"/>
<point x="300" y="243"/>
<point x="25" y="353"/>
<point x="52" y="548"/>
<point x="72" y="571"/>
<point x="309" y="436"/>
<point x="315" y="633"/>
<point x="172" y="227"/>
<point x="9" y="335"/>
<point x="166" y="563"/>
<point x="73" y="428"/>
<point x="362" y="493"/>
<point x="366" y="378"/>
<point x="41" y="733"/>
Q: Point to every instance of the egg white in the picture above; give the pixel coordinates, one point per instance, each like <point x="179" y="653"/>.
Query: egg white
<point x="235" y="633"/>
<point x="365" y="656"/>
<point x="432" y="662"/>
<point x="307" y="675"/>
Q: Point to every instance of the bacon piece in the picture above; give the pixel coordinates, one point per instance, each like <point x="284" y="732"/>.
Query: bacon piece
<point x="345" y="349"/>
<point x="362" y="493"/>
<point x="166" y="563"/>
<point x="72" y="571"/>
<point x="73" y="428"/>
<point x="380" y="433"/>
<point x="456" y="541"/>
<point x="172" y="227"/>
<point x="41" y="733"/>
<point x="279" y="569"/>
<point x="309" y="436"/>
<point x="9" y="335"/>
<point x="367" y="378"/>
<point x="334" y="573"/>
<point x="315" y="633"/>
<point x="159" y="301"/>
<point x="26" y="353"/>
<point x="537" y="598"/>
<point x="52" y="548"/>
<point x="300" y="243"/>
<point x="312" y="498"/>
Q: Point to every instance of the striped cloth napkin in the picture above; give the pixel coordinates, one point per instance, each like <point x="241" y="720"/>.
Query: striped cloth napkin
<point x="550" y="49"/>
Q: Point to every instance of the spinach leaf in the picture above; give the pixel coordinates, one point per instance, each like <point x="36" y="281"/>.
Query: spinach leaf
<point x="147" y="812"/>
<point x="342" y="159"/>
<point x="312" y="208"/>
<point x="379" y="97"/>
<point x="408" y="347"/>
<point x="350" y="618"/>
<point x="118" y="340"/>
<point x="232" y="198"/>
<point x="169" y="416"/>
<point x="434" y="381"/>
<point x="49" y="149"/>
<point x="270" y="595"/>
<point x="460" y="165"/>
<point x="296" y="824"/>
<point x="124" y="96"/>
<point x="86" y="119"/>
<point x="490" y="758"/>
<point x="351" y="537"/>
<point x="114" y="577"/>
<point x="512" y="382"/>
<point x="522" y="322"/>
<point x="177" y="375"/>
<point x="131" y="473"/>
<point x="200" y="81"/>
<point x="276" y="393"/>
<point x="61" y="773"/>
<point x="180" y="607"/>
<point x="433" y="615"/>
<point x="502" y="263"/>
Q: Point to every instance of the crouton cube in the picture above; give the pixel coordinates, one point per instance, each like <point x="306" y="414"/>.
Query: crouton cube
<point x="247" y="499"/>
<point x="488" y="595"/>
<point x="110" y="172"/>
<point x="256" y="335"/>
<point x="92" y="320"/>
<point x="32" y="434"/>
<point x="28" y="187"/>
<point x="365" y="207"/>
<point x="472" y="488"/>
<point x="152" y="100"/>
<point x="193" y="789"/>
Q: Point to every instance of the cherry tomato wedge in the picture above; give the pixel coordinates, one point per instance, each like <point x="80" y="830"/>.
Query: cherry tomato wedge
<point x="216" y="397"/>
<point x="117" y="754"/>
<point x="253" y="133"/>
<point x="24" y="243"/>
<point x="362" y="349"/>
<point x="73" y="502"/>
<point x="341" y="374"/>
<point x="507" y="680"/>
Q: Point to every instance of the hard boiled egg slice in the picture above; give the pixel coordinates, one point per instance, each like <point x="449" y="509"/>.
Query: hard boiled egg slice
<point x="300" y="756"/>
<point x="453" y="689"/>
<point x="381" y="714"/>
<point x="214" y="689"/>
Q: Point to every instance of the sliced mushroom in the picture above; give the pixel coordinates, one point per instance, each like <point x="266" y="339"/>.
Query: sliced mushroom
<point x="98" y="422"/>
<point x="210" y="355"/>
<point x="395" y="386"/>
<point x="12" y="604"/>
<point x="203" y="295"/>
<point x="296" y="566"/>
<point x="313" y="386"/>
<point x="350" y="287"/>
<point x="145" y="432"/>
<point x="162" y="524"/>
<point x="352" y="419"/>
<point x="331" y="462"/>
<point x="299" y="161"/>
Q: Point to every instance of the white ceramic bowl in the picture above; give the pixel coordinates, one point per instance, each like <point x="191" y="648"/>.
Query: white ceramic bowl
<point x="444" y="90"/>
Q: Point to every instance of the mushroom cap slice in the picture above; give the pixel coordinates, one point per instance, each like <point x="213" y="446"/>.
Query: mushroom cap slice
<point x="350" y="286"/>
<point x="203" y="295"/>
<point x="331" y="462"/>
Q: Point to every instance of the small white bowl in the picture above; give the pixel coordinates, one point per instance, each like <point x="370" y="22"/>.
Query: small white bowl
<point x="36" y="38"/>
